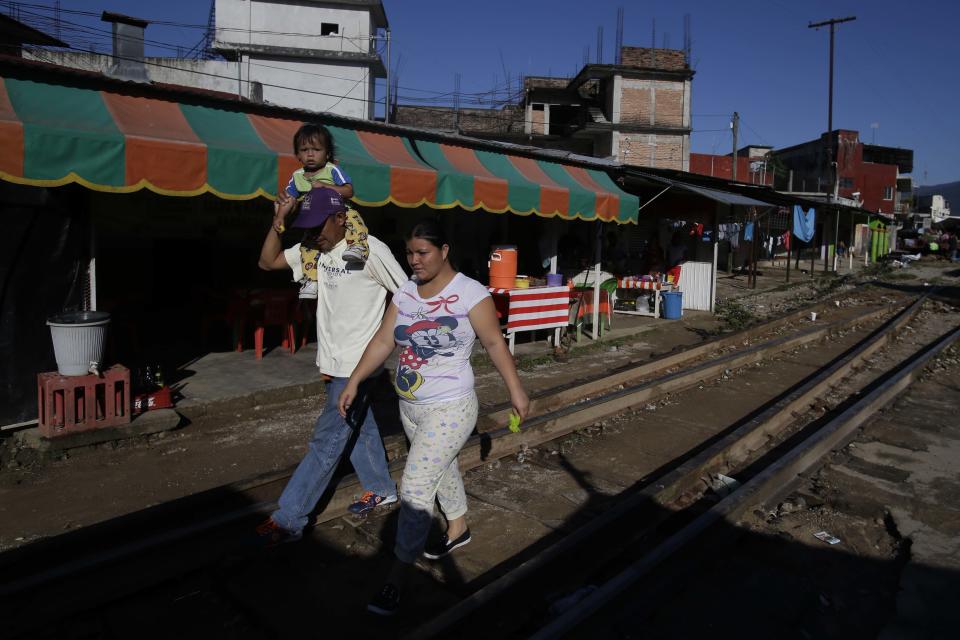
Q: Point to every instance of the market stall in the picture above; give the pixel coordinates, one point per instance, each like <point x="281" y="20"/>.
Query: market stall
<point x="627" y="301"/>
<point x="530" y="309"/>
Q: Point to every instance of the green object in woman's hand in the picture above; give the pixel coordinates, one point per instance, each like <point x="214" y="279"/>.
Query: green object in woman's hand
<point x="514" y="422"/>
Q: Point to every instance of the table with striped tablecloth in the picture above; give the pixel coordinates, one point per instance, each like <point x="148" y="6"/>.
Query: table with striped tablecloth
<point x="635" y="282"/>
<point x="534" y="308"/>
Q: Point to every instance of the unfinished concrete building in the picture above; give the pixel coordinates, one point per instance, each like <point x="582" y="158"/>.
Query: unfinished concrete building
<point x="636" y="112"/>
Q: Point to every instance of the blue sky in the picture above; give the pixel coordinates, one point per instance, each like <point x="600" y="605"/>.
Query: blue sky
<point x="895" y="68"/>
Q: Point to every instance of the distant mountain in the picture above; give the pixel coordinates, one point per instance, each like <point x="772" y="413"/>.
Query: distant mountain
<point x="949" y="190"/>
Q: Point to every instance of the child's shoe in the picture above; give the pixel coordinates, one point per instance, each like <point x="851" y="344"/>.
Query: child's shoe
<point x="354" y="253"/>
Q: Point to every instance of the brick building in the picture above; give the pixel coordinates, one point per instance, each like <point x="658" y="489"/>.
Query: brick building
<point x="753" y="165"/>
<point x="870" y="171"/>
<point x="636" y="112"/>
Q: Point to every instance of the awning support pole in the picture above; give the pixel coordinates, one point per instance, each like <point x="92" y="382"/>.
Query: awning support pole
<point x="596" y="281"/>
<point x="790" y="242"/>
<point x="92" y="269"/>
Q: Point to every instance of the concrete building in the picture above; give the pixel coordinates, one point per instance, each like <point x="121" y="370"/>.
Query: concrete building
<point x="636" y="112"/>
<point x="319" y="56"/>
<point x="933" y="207"/>
<point x="866" y="173"/>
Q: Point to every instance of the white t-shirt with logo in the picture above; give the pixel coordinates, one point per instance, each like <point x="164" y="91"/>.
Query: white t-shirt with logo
<point x="436" y="339"/>
<point x="351" y="299"/>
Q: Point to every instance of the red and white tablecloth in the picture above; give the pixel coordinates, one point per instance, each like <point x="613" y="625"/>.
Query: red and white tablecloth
<point x="633" y="282"/>
<point x="536" y="307"/>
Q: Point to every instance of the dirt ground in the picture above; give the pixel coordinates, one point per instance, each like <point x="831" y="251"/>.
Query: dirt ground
<point x="891" y="498"/>
<point x="41" y="497"/>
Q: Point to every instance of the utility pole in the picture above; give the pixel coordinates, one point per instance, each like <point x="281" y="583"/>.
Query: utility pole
<point x="735" y="125"/>
<point x="830" y="160"/>
<point x="386" y="111"/>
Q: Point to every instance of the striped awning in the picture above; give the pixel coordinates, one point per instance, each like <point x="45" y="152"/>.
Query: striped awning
<point x="498" y="182"/>
<point x="53" y="134"/>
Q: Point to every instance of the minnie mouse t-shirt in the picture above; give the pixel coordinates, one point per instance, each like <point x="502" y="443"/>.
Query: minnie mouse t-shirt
<point x="436" y="339"/>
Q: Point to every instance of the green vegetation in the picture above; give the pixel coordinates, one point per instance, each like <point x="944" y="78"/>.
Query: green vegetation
<point x="734" y="315"/>
<point x="876" y="270"/>
<point x="827" y="284"/>
<point x="901" y="275"/>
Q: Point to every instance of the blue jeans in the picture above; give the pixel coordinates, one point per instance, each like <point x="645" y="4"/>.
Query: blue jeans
<point x="331" y="435"/>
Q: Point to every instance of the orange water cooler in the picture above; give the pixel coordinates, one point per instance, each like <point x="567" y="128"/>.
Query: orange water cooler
<point x="503" y="267"/>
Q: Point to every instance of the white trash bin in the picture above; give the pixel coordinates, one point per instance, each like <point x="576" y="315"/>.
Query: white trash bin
<point x="79" y="340"/>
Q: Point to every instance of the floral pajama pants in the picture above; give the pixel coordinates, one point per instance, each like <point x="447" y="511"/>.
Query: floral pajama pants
<point x="356" y="234"/>
<point x="437" y="431"/>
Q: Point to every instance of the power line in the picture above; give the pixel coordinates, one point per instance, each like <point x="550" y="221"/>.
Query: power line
<point x="496" y="116"/>
<point x="477" y="96"/>
<point x="754" y="131"/>
<point x="185" y="25"/>
<point x="496" y="91"/>
<point x="339" y="98"/>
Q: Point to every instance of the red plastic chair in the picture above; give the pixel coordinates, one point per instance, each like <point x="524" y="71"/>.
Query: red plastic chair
<point x="276" y="310"/>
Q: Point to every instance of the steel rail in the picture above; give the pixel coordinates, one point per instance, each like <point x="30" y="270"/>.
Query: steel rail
<point x="732" y="450"/>
<point x="478" y="450"/>
<point x="772" y="481"/>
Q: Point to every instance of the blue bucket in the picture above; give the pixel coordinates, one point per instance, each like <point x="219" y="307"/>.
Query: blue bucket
<point x="672" y="304"/>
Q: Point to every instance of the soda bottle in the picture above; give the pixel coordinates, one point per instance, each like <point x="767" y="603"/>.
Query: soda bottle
<point x="148" y="378"/>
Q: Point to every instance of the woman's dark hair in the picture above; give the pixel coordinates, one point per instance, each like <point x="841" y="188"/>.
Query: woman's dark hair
<point x="430" y="230"/>
<point x="311" y="130"/>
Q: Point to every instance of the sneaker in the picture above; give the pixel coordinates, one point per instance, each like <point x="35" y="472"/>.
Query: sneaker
<point x="270" y="534"/>
<point x="354" y="253"/>
<point x="386" y="602"/>
<point x="445" y="546"/>
<point x="369" y="501"/>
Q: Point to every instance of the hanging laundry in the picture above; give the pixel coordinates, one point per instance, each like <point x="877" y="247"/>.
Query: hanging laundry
<point x="804" y="223"/>
<point x="748" y="232"/>
<point x="786" y="240"/>
<point x="734" y="234"/>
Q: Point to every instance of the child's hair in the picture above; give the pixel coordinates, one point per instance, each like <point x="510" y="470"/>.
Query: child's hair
<point x="430" y="230"/>
<point x="312" y="130"/>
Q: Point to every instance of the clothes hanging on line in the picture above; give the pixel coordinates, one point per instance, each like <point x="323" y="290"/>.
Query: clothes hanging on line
<point x="748" y="232"/>
<point x="804" y="223"/>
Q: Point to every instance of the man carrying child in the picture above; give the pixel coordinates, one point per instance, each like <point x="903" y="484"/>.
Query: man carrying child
<point x="351" y="299"/>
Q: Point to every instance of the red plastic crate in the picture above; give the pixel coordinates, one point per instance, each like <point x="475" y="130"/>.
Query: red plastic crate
<point x="162" y="398"/>
<point x="70" y="404"/>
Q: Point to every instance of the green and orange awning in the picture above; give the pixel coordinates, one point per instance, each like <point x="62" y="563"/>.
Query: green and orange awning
<point x="498" y="182"/>
<point x="52" y="134"/>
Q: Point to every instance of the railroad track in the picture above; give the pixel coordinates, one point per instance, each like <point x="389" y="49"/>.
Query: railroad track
<point x="69" y="558"/>
<point x="661" y="521"/>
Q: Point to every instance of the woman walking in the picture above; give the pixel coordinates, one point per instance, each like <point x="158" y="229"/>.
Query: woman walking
<point x="435" y="318"/>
